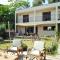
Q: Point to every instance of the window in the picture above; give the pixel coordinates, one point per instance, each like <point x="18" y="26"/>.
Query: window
<point x="45" y="28"/>
<point x="58" y="7"/>
<point x="49" y="28"/>
<point x="46" y="16"/>
<point x="29" y="29"/>
<point x="53" y="28"/>
<point x="25" y="18"/>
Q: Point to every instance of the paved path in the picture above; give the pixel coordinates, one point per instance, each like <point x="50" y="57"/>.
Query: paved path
<point x="12" y="57"/>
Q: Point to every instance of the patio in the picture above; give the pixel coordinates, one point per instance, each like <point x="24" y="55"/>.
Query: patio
<point x="9" y="56"/>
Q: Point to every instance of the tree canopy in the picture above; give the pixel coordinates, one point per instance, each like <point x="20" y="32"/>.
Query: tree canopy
<point x="38" y="2"/>
<point x="53" y="1"/>
<point x="7" y="12"/>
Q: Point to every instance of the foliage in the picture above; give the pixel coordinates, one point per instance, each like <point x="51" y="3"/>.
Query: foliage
<point x="24" y="46"/>
<point x="7" y="13"/>
<point x="53" y="1"/>
<point x="57" y="36"/>
<point x="4" y="44"/>
<point x="38" y="2"/>
<point x="51" y="46"/>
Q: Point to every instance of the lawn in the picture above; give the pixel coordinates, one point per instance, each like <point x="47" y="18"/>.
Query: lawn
<point x="5" y="43"/>
<point x="28" y="42"/>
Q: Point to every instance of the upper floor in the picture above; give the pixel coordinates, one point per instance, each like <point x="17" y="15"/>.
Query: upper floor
<point x="50" y="12"/>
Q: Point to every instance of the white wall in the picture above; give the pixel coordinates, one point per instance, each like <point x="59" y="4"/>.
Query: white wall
<point x="20" y="19"/>
<point x="21" y="29"/>
<point x="53" y="15"/>
<point x="31" y="17"/>
<point x="38" y="15"/>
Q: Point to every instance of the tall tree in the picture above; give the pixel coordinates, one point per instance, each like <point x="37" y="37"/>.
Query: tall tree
<point x="53" y="1"/>
<point x="37" y="2"/>
<point x="7" y="13"/>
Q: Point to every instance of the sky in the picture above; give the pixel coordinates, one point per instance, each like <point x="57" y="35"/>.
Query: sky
<point x="6" y="2"/>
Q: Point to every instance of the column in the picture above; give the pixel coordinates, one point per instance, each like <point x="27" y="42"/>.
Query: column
<point x="34" y="21"/>
<point x="15" y="22"/>
<point x="56" y="20"/>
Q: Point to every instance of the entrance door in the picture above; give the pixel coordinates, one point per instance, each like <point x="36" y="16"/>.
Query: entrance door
<point x="30" y="29"/>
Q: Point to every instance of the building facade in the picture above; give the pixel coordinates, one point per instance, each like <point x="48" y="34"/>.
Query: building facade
<point x="42" y="20"/>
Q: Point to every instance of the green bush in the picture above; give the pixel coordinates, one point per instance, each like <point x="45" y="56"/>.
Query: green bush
<point x="51" y="46"/>
<point x="24" y="46"/>
<point x="54" y="48"/>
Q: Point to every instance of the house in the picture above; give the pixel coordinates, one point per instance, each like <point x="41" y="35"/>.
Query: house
<point x="42" y="20"/>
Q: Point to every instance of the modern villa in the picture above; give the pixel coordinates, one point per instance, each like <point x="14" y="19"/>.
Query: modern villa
<point x="43" y="20"/>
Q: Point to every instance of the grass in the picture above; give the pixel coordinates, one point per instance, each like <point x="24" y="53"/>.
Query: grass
<point x="4" y="44"/>
<point x="28" y="42"/>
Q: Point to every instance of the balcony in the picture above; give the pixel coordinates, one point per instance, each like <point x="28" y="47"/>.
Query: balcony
<point x="39" y="18"/>
<point x="47" y="33"/>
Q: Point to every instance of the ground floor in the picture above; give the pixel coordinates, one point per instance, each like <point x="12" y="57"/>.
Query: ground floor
<point x="41" y="30"/>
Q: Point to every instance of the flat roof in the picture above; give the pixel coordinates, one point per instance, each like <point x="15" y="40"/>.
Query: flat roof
<point x="41" y="7"/>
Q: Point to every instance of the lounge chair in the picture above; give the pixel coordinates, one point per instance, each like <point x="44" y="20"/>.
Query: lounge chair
<point x="38" y="51"/>
<point x="16" y="44"/>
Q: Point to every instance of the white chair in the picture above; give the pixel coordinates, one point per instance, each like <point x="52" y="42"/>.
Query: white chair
<point x="15" y="44"/>
<point x="38" y="50"/>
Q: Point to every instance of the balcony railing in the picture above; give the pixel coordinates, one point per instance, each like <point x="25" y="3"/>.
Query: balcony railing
<point x="39" y="18"/>
<point x="47" y="33"/>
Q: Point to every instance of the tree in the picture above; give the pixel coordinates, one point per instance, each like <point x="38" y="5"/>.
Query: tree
<point x="13" y="6"/>
<point x="38" y="2"/>
<point x="53" y="1"/>
<point x="7" y="13"/>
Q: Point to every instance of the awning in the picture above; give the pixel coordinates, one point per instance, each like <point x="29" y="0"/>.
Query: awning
<point x="35" y="23"/>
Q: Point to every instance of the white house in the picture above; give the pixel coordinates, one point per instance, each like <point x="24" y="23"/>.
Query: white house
<point x="42" y="20"/>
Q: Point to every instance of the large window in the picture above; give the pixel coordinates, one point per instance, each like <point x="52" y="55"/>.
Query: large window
<point x="46" y="16"/>
<point x="25" y="18"/>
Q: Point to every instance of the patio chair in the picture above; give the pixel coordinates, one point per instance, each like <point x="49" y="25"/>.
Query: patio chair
<point x="38" y="51"/>
<point x="16" y="45"/>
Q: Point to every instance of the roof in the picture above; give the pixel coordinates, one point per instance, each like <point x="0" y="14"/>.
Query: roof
<point x="38" y="7"/>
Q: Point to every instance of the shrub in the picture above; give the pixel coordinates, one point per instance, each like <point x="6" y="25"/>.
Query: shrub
<point x="54" y="48"/>
<point x="51" y="46"/>
<point x="24" y="46"/>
